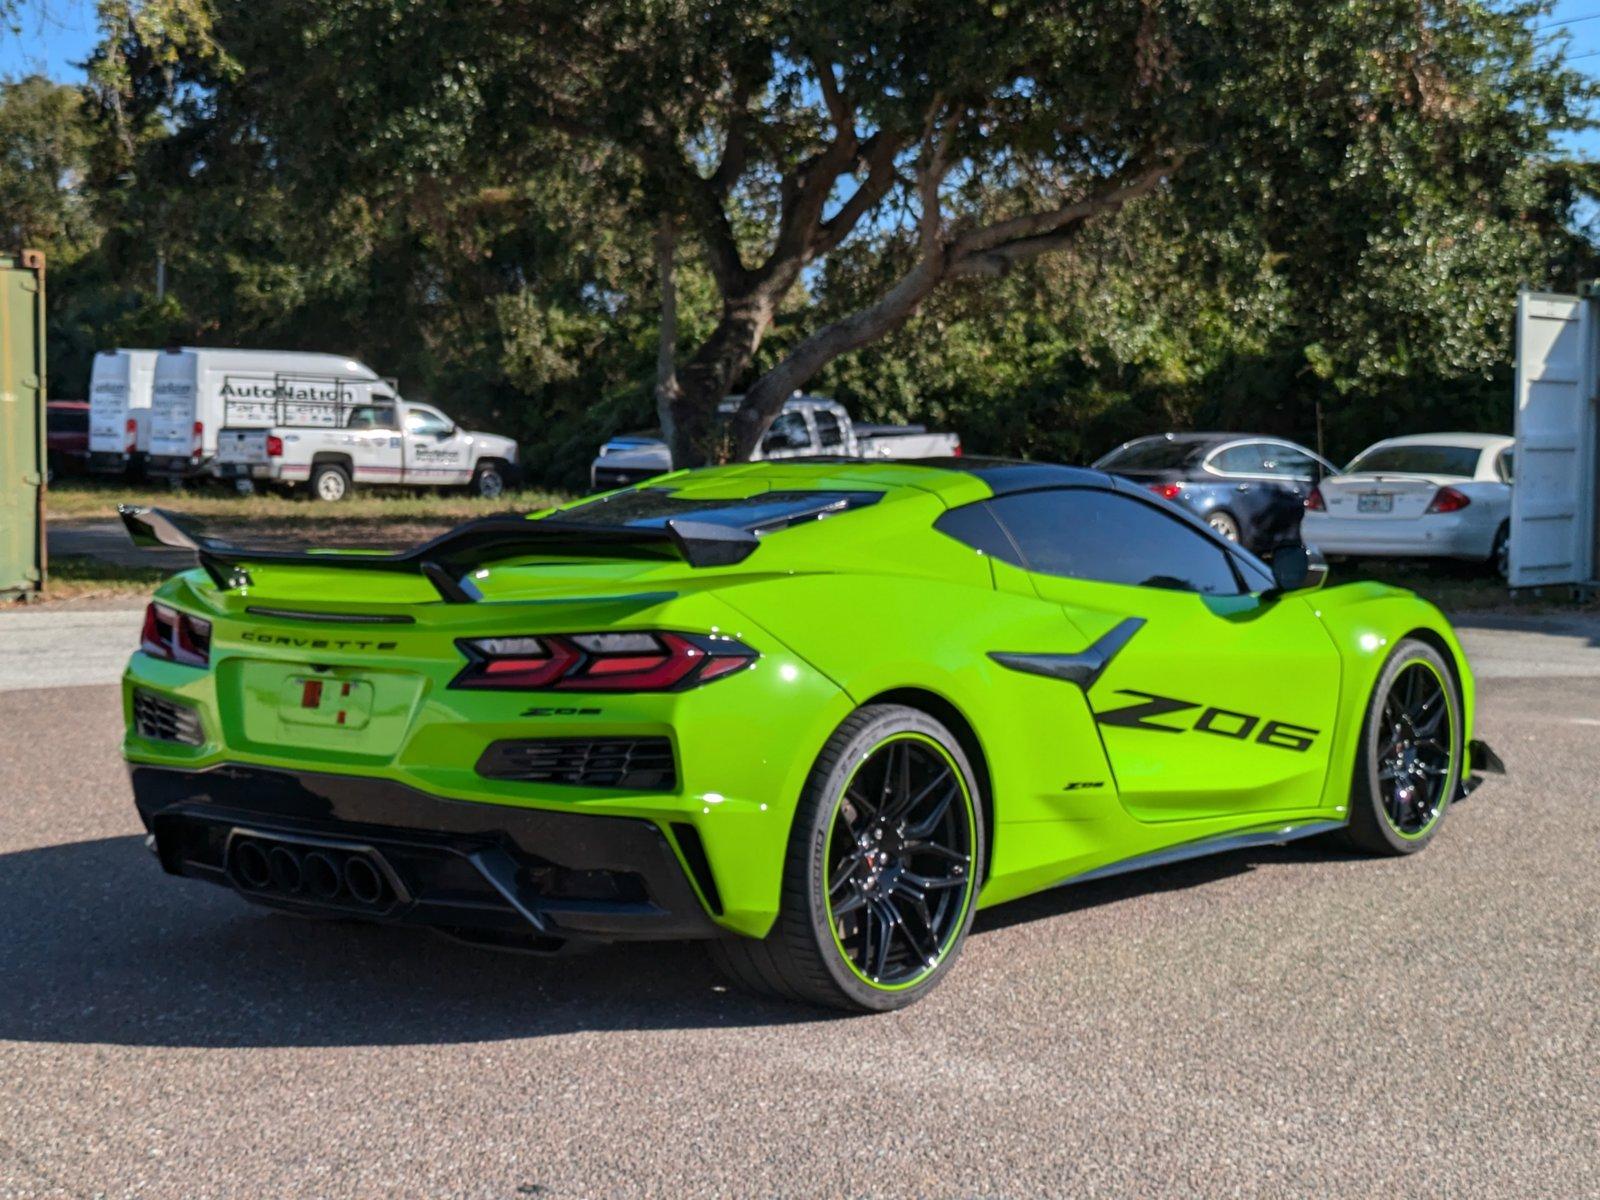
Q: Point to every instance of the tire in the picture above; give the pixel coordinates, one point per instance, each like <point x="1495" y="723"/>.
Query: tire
<point x="1500" y="552"/>
<point x="815" y="951"/>
<point x="1224" y="524"/>
<point x="329" y="482"/>
<point x="1408" y="764"/>
<point x="488" y="481"/>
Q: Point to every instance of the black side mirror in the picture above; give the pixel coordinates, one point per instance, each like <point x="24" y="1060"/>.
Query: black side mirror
<point x="1295" y="568"/>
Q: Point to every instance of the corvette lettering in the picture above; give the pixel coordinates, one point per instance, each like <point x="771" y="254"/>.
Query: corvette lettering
<point x="1219" y="722"/>
<point x="302" y="643"/>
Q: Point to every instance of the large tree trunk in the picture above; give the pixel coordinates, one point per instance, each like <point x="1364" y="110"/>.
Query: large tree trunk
<point x="668" y="391"/>
<point x="697" y="437"/>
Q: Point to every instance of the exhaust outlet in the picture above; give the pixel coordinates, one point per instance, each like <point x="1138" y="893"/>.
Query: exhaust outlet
<point x="363" y="880"/>
<point x="285" y="868"/>
<point x="250" y="861"/>
<point x="321" y="875"/>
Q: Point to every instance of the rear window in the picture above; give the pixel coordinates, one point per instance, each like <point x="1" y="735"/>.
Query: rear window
<point x="1418" y="460"/>
<point x="651" y="508"/>
<point x="67" y="420"/>
<point x="1151" y="454"/>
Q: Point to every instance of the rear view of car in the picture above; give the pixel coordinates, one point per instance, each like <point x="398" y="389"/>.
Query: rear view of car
<point x="1425" y="496"/>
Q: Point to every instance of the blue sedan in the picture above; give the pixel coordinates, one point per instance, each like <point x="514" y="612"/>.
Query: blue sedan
<point x="1250" y="489"/>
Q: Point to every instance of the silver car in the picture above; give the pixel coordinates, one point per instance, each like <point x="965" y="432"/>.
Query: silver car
<point x="1434" y="495"/>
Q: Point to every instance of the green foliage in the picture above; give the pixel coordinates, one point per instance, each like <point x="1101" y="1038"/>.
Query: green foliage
<point x="466" y="197"/>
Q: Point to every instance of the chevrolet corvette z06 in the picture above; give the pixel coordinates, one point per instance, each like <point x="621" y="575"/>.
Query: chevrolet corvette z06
<point x="814" y="713"/>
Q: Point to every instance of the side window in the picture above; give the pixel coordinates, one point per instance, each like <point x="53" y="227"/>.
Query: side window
<point x="830" y="434"/>
<point x="1245" y="459"/>
<point x="1507" y="464"/>
<point x="787" y="432"/>
<point x="975" y="525"/>
<point x="426" y="422"/>
<point x="1289" y="462"/>
<point x="1086" y="534"/>
<point x="372" y="416"/>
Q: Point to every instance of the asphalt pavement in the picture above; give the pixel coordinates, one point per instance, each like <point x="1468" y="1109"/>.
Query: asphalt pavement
<point x="1291" y="1021"/>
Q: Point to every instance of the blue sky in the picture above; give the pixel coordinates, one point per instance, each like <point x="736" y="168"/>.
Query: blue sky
<point x="55" y="35"/>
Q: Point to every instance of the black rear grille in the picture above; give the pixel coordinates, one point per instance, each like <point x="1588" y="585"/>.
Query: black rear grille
<point x="164" y="720"/>
<point x="642" y="764"/>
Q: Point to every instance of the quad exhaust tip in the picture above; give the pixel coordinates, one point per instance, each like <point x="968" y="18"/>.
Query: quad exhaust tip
<point x="325" y="875"/>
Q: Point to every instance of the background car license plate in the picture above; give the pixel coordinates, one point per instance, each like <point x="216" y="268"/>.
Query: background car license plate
<point x="1375" y="502"/>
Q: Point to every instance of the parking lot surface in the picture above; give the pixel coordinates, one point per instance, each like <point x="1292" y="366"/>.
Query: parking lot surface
<point x="1287" y="1021"/>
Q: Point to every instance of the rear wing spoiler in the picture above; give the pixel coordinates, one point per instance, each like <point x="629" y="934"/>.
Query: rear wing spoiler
<point x="447" y="560"/>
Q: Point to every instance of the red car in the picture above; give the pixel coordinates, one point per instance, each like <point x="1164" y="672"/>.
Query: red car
<point x="67" y="437"/>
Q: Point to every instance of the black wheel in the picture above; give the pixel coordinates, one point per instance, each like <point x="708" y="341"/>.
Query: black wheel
<point x="882" y="870"/>
<point x="1500" y="554"/>
<point x="1409" y="762"/>
<point x="1224" y="524"/>
<point x="330" y="482"/>
<point x="488" y="481"/>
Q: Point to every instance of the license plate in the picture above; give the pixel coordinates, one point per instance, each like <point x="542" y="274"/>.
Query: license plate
<point x="1375" y="502"/>
<point x="326" y="702"/>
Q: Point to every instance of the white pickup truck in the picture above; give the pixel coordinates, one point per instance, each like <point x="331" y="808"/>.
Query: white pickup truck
<point x="807" y="427"/>
<point x="287" y="418"/>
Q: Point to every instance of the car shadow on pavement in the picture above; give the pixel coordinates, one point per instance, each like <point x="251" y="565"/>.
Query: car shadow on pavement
<point x="100" y="946"/>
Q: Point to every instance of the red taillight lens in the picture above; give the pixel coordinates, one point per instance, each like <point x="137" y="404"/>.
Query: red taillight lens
<point x="199" y="438"/>
<point x="131" y="435"/>
<point x="1167" y="491"/>
<point x="956" y="452"/>
<point x="601" y="662"/>
<point x="274" y="446"/>
<point x="1448" y="500"/>
<point x="1315" y="502"/>
<point x="176" y="636"/>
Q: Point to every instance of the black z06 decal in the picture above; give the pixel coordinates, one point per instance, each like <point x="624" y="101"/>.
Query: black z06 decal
<point x="1219" y="722"/>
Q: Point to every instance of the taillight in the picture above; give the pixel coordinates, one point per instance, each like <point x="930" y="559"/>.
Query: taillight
<point x="1448" y="500"/>
<point x="1168" y="491"/>
<point x="1315" y="502"/>
<point x="176" y="636"/>
<point x="199" y="438"/>
<point x="600" y="662"/>
<point x="274" y="446"/>
<point x="956" y="451"/>
<point x="131" y="435"/>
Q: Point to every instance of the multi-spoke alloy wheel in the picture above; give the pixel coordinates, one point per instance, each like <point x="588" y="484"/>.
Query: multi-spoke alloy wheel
<point x="885" y="859"/>
<point x="1410" y="754"/>
<point x="900" y="861"/>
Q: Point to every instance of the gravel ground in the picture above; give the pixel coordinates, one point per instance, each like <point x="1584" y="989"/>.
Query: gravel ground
<point x="1283" y="1022"/>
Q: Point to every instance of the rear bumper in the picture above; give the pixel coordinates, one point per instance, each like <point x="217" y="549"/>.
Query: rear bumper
<point x="1441" y="536"/>
<point x="487" y="872"/>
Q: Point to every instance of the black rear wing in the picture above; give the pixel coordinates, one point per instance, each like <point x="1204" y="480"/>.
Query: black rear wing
<point x="448" y="559"/>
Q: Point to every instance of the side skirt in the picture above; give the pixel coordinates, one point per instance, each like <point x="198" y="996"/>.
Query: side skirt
<point x="1203" y="847"/>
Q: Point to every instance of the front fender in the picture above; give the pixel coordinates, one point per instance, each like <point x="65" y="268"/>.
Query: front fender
<point x="1366" y="622"/>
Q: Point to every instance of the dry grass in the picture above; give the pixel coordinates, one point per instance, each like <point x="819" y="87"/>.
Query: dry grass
<point x="79" y="577"/>
<point x="80" y="499"/>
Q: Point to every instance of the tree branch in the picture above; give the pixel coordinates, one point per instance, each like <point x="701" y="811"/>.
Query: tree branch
<point x="1124" y="186"/>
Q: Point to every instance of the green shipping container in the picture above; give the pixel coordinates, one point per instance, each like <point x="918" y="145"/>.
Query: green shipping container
<point x="22" y="432"/>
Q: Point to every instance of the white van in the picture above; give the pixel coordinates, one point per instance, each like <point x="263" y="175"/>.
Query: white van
<point x="119" y="409"/>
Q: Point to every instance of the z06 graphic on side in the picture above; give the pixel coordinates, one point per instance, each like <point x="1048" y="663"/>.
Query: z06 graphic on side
<point x="1219" y="721"/>
<point x="814" y="714"/>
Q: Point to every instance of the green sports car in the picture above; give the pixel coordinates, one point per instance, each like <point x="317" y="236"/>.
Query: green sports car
<point x="815" y="713"/>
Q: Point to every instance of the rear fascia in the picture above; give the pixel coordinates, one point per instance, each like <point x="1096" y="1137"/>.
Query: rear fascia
<point x="743" y="743"/>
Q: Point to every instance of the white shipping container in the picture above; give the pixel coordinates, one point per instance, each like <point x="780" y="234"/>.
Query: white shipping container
<point x="1553" y="518"/>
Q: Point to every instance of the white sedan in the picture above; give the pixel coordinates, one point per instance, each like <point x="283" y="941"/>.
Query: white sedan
<point x="1440" y="495"/>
